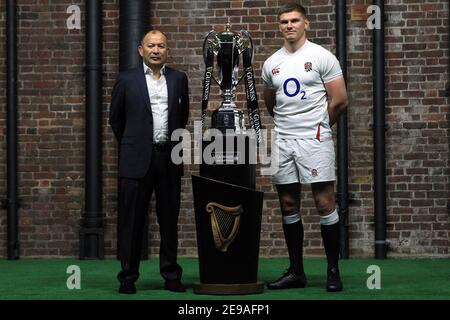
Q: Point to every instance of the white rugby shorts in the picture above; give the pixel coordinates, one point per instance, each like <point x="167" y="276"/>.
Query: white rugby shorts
<point x="303" y="161"/>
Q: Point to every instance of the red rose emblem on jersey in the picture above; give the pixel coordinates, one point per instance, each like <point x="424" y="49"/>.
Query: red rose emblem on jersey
<point x="308" y="66"/>
<point x="275" y="71"/>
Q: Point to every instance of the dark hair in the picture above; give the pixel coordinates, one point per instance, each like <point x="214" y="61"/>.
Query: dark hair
<point x="292" y="6"/>
<point x="152" y="31"/>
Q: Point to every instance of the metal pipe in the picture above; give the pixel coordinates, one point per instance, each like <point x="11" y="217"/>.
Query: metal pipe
<point x="11" y="131"/>
<point x="134" y="22"/>
<point x="342" y="133"/>
<point x="92" y="227"/>
<point x="379" y="128"/>
<point x="448" y="85"/>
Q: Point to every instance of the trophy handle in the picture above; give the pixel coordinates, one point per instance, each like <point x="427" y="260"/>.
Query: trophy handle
<point x="240" y="79"/>
<point x="206" y="49"/>
<point x="247" y="36"/>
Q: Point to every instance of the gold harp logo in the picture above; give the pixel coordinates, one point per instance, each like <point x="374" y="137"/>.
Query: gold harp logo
<point x="225" y="223"/>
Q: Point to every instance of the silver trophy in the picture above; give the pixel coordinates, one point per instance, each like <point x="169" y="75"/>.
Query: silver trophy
<point x="227" y="207"/>
<point x="226" y="47"/>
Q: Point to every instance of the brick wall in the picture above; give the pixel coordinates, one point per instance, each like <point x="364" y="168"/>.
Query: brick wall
<point x="51" y="121"/>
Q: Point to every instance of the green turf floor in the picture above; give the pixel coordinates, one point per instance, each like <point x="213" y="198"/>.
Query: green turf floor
<point x="401" y="279"/>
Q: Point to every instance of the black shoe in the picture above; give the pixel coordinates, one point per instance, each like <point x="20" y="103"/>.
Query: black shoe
<point x="174" y="285"/>
<point x="127" y="287"/>
<point x="288" y="280"/>
<point x="334" y="283"/>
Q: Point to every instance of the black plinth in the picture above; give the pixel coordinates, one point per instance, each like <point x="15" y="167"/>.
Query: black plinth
<point x="235" y="270"/>
<point x="228" y="183"/>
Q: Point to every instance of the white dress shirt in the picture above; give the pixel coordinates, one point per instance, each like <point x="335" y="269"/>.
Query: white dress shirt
<point x="157" y="91"/>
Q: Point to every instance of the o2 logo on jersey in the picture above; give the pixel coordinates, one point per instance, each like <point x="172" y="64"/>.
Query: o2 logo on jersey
<point x="298" y="89"/>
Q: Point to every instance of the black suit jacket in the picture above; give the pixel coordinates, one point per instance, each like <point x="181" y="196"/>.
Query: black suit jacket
<point x="132" y="122"/>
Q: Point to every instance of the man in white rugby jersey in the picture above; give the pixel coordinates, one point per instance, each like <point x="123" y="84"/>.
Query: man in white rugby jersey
<point x="305" y="93"/>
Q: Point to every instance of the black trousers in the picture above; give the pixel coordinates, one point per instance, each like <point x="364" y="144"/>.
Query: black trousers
<point x="134" y="201"/>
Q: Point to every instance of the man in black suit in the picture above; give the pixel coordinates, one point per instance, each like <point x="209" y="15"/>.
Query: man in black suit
<point x="148" y="104"/>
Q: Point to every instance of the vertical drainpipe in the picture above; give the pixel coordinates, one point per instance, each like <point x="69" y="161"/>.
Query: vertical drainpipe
<point x="448" y="85"/>
<point x="11" y="202"/>
<point x="91" y="233"/>
<point x="379" y="127"/>
<point x="134" y="22"/>
<point x="448" y="80"/>
<point x="342" y="133"/>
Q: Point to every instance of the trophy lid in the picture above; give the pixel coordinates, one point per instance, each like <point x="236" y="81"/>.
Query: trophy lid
<point x="227" y="33"/>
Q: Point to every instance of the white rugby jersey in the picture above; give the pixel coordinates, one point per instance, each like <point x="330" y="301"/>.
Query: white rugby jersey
<point x="301" y="100"/>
